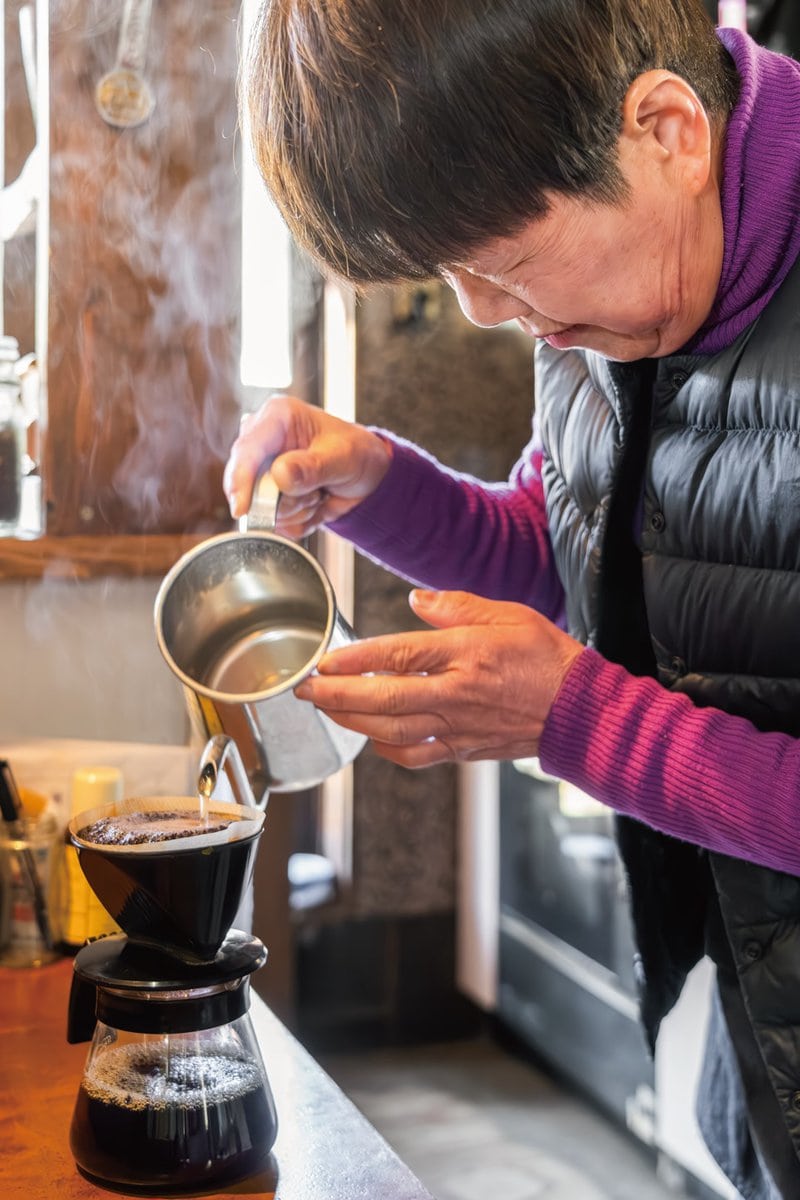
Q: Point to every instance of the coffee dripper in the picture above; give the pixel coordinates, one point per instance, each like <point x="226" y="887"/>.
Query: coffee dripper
<point x="174" y="1096"/>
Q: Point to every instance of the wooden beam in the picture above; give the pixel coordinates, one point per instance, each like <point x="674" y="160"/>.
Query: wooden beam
<point x="87" y="557"/>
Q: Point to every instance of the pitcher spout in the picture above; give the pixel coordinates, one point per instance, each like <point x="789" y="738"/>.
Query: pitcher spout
<point x="221" y="754"/>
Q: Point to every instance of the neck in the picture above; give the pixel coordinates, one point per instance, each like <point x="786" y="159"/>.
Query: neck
<point x="757" y="172"/>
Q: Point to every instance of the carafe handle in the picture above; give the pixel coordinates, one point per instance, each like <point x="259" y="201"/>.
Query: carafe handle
<point x="81" y="1013"/>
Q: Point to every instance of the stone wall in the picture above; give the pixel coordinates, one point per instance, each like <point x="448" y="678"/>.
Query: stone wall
<point x="465" y="394"/>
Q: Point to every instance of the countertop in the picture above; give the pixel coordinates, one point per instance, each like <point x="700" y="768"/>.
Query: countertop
<point x="325" y="1150"/>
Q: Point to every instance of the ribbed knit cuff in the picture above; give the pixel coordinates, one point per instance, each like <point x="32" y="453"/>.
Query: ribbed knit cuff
<point x="698" y="774"/>
<point x="373" y="523"/>
<point x="582" y="702"/>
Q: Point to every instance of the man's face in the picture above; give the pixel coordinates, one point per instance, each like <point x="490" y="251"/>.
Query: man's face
<point x="634" y="280"/>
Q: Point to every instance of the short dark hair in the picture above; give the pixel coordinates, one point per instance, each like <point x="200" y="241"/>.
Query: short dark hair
<point x="396" y="136"/>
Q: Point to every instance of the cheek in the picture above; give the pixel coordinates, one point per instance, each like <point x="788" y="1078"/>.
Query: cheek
<point x="624" y="300"/>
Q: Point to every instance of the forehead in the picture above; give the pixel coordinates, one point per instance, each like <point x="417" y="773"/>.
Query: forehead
<point x="569" y="223"/>
<point x="575" y="221"/>
<point x="496" y="255"/>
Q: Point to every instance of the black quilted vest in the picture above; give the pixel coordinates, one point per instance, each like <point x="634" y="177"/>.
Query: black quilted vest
<point x="673" y="496"/>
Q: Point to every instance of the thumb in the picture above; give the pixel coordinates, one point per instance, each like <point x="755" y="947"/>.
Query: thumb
<point x="444" y="610"/>
<point x="297" y="472"/>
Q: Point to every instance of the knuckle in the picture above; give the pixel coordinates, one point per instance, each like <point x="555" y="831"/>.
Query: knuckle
<point x="401" y="733"/>
<point x="388" y="697"/>
<point x="403" y="658"/>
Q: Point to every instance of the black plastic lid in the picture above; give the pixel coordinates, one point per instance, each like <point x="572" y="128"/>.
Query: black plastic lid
<point x="142" y="990"/>
<point x="115" y="961"/>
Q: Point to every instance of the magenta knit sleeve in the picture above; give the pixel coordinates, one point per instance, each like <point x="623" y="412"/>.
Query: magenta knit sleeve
<point x="696" y="773"/>
<point x="448" y="531"/>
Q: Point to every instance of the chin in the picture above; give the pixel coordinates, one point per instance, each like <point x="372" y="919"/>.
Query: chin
<point x="629" y="354"/>
<point x="619" y="348"/>
<point x="616" y="351"/>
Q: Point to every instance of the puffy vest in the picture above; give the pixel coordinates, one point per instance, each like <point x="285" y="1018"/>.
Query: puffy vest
<point x="673" y="496"/>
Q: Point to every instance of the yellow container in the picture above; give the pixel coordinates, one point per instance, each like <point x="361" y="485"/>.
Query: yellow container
<point x="84" y="916"/>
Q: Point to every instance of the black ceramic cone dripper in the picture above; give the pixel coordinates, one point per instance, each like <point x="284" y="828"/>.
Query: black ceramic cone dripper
<point x="181" y="900"/>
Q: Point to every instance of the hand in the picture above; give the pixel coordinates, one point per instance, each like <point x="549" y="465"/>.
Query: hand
<point x="322" y="465"/>
<point x="478" y="686"/>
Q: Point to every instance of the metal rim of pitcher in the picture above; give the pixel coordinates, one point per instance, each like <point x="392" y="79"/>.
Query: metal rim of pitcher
<point x="285" y="685"/>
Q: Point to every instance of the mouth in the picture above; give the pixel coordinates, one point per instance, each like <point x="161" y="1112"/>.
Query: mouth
<point x="562" y="339"/>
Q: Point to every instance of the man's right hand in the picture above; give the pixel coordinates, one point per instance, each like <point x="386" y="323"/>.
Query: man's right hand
<point x="322" y="465"/>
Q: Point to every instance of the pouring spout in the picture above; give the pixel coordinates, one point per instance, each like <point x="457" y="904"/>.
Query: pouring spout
<point x="222" y="754"/>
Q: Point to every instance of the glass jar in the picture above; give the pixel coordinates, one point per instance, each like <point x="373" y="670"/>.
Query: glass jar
<point x="29" y="905"/>
<point x="13" y="438"/>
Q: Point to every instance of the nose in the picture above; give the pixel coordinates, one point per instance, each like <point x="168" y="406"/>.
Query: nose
<point x="484" y="303"/>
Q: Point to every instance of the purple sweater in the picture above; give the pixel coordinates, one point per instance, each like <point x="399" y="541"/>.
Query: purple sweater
<point x="699" y="774"/>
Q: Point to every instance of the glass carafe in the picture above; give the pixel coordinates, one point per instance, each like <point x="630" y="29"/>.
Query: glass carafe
<point x="174" y="1111"/>
<point x="174" y="1096"/>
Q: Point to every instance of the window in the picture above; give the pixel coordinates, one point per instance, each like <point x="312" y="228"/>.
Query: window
<point x="155" y="328"/>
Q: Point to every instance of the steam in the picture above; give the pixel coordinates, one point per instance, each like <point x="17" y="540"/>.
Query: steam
<point x="153" y="213"/>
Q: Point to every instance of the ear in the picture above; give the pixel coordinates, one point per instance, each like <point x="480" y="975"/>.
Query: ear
<point x="663" y="116"/>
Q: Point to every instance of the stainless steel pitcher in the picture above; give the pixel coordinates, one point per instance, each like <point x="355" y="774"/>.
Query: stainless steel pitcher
<point x="241" y="619"/>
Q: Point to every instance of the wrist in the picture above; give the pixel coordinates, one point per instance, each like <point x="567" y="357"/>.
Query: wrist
<point x="379" y="459"/>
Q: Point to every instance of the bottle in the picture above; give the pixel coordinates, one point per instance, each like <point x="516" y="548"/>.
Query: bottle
<point x="84" y="916"/>
<point x="13" y="438"/>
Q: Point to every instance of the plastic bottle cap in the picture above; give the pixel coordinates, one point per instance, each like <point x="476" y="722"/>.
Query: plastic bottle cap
<point x="95" y="786"/>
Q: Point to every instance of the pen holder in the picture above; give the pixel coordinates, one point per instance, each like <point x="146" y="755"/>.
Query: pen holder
<point x="28" y="874"/>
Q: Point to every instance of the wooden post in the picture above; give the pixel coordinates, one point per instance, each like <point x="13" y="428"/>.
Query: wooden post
<point x="145" y="275"/>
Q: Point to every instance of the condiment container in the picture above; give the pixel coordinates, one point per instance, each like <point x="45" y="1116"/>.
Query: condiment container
<point x="30" y="853"/>
<point x="13" y="438"/>
<point x="84" y="917"/>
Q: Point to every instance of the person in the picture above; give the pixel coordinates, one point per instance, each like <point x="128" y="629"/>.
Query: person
<point x="623" y="181"/>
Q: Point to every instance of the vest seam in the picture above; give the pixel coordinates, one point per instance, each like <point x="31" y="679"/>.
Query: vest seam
<point x="647" y="552"/>
<point x="760" y="430"/>
<point x="700" y="673"/>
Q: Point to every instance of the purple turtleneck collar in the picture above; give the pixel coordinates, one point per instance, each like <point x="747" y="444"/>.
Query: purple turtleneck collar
<point x="760" y="191"/>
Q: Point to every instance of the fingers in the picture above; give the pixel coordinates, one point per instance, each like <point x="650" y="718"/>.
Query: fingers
<point x="388" y="695"/>
<point x="435" y="751"/>
<point x="262" y="436"/>
<point x="326" y="464"/>
<point x="473" y="740"/>
<point x="443" y="610"/>
<point x="300" y="473"/>
<point x="425" y="754"/>
<point x="299" y="517"/>
<point x="396" y="731"/>
<point x="407" y="654"/>
<point x="239" y="476"/>
<point x="280" y="434"/>
<point x="404" y="736"/>
<point x="455" y="614"/>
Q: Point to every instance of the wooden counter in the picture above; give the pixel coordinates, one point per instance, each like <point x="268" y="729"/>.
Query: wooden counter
<point x="326" y="1150"/>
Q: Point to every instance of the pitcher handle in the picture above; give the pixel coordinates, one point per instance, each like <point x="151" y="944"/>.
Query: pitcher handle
<point x="263" y="512"/>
